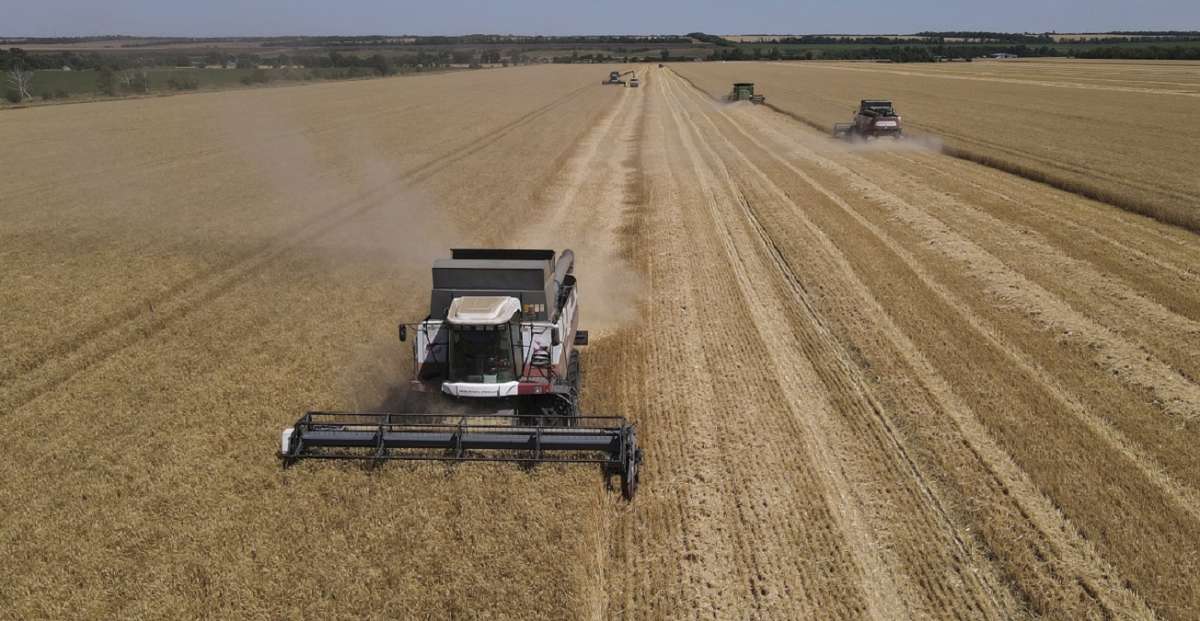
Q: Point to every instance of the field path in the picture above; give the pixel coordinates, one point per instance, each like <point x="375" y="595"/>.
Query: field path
<point x="925" y="476"/>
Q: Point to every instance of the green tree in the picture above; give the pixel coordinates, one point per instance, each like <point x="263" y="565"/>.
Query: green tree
<point x="381" y="64"/>
<point x="106" y="81"/>
<point x="665" y="54"/>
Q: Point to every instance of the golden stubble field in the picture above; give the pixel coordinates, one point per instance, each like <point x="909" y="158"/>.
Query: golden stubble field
<point x="871" y="382"/>
<point x="1118" y="131"/>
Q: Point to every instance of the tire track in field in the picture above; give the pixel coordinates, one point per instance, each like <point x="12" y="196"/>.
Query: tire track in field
<point x="839" y="531"/>
<point x="1186" y="497"/>
<point x="1183" y="498"/>
<point x="1185" y="270"/>
<point x="579" y="170"/>
<point x="1180" y="394"/>
<point x="1132" y="309"/>
<point x="582" y="206"/>
<point x="828" y="372"/>
<point x="1130" y="459"/>
<point x="61" y="361"/>
<point x="841" y="377"/>
<point x="1099" y="580"/>
<point x="1056" y="547"/>
<point x="1016" y="167"/>
<point x="1079" y="550"/>
<point x="1125" y="218"/>
<point x="1162" y="205"/>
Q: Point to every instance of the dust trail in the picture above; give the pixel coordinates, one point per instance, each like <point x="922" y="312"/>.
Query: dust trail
<point x="907" y="144"/>
<point x="393" y="238"/>
<point x="587" y="208"/>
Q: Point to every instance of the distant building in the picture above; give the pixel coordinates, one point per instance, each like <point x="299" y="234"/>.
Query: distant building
<point x="1003" y="55"/>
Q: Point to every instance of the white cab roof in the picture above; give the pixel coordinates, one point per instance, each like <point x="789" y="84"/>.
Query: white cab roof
<point x="476" y="310"/>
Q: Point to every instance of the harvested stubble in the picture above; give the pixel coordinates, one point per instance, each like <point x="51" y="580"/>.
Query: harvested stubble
<point x="1113" y="131"/>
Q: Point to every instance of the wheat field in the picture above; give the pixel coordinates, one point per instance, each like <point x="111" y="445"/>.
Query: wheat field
<point x="1116" y="131"/>
<point x="872" y="381"/>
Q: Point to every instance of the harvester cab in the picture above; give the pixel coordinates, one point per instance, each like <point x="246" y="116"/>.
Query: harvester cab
<point x="874" y="118"/>
<point x="503" y="324"/>
<point x="499" y="342"/>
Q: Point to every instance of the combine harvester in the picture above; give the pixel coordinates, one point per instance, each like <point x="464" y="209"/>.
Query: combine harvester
<point x="614" y="77"/>
<point x="501" y="336"/>
<point x="744" y="91"/>
<point x="874" y="118"/>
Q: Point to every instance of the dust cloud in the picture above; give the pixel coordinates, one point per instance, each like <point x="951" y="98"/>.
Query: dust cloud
<point x="350" y="188"/>
<point x="347" y="210"/>
<point x="910" y="143"/>
<point x="610" y="290"/>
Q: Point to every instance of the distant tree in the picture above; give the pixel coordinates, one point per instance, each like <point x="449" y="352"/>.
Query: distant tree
<point x="381" y="64"/>
<point x="182" y="83"/>
<point x="106" y="81"/>
<point x="258" y="76"/>
<point x="20" y="80"/>
<point x="665" y="54"/>
<point x="135" y="80"/>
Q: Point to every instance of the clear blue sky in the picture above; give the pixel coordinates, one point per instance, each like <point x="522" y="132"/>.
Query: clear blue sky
<point x="284" y="17"/>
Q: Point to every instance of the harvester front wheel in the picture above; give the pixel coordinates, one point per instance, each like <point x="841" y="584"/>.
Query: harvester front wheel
<point x="631" y="464"/>
<point x="558" y="409"/>
<point x="566" y="406"/>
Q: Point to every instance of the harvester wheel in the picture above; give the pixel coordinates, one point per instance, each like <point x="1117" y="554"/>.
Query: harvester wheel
<point x="575" y="378"/>
<point x="563" y="409"/>
<point x="631" y="465"/>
